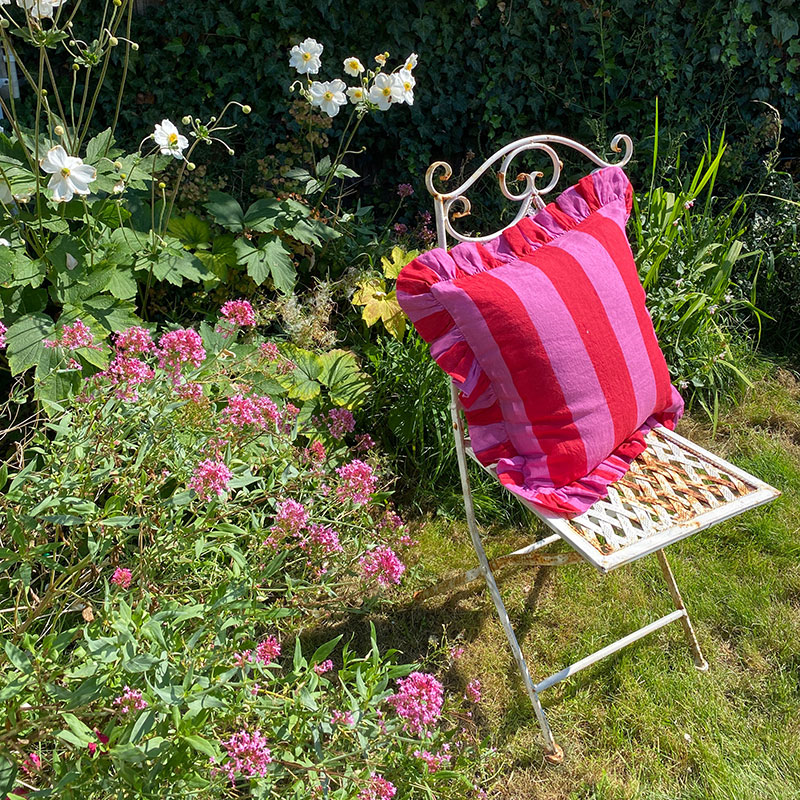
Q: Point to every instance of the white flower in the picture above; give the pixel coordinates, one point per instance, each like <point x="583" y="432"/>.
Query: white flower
<point x="384" y="91"/>
<point x="356" y="95"/>
<point x="352" y="66"/>
<point x="5" y="243"/>
<point x="40" y="9"/>
<point x="171" y="142"/>
<point x="328" y="95"/>
<point x="70" y="175"/>
<point x="411" y="62"/>
<point x="305" y="57"/>
<point x="72" y="262"/>
<point x="405" y="81"/>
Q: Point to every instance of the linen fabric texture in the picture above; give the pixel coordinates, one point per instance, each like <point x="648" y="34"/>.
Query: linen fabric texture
<point x="545" y="333"/>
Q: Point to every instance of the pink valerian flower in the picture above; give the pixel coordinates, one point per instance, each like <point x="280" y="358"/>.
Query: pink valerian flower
<point x="210" y="479"/>
<point x="341" y="717"/>
<point x="183" y="346"/>
<point x="270" y="350"/>
<point x="72" y="337"/>
<point x="340" y="422"/>
<point x="257" y="410"/>
<point x="315" y="452"/>
<point x="127" y="374"/>
<point x="456" y="652"/>
<point x="130" y="700"/>
<point x="248" y="755"/>
<point x="242" y="658"/>
<point x="378" y="788"/>
<point x="31" y="763"/>
<point x="473" y="691"/>
<point x="434" y="761"/>
<point x="102" y="740"/>
<point x="418" y="700"/>
<point x="382" y="564"/>
<point x="191" y="391"/>
<point x="400" y="228"/>
<point x="323" y="667"/>
<point x="239" y="312"/>
<point x="121" y="577"/>
<point x="133" y="341"/>
<point x="326" y="537"/>
<point x="3" y="331"/>
<point x="268" y="650"/>
<point x="285" y="367"/>
<point x="291" y="516"/>
<point x="364" y="442"/>
<point x="405" y="190"/>
<point x="358" y="482"/>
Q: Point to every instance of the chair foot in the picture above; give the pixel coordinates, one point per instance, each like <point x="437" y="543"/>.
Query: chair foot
<point x="556" y="756"/>
<point x="701" y="666"/>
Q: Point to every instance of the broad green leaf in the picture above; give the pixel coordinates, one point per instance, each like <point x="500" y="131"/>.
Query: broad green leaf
<point x="263" y="215"/>
<point x="347" y="385"/>
<point x="111" y="314"/>
<point x="122" y="284"/>
<point x="191" y="230"/>
<point x="201" y="745"/>
<point x="8" y="775"/>
<point x="143" y="725"/>
<point x="18" y="658"/>
<point x="324" y="650"/>
<point x="302" y="383"/>
<point x="270" y="259"/>
<point x="81" y="731"/>
<point x="226" y="211"/>
<point x="101" y="146"/>
<point x="24" y="341"/>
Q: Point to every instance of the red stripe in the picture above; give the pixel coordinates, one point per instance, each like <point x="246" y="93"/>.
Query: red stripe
<point x="599" y="339"/>
<point x="518" y="341"/>
<point x="482" y="384"/>
<point x="486" y="416"/>
<point x="512" y="478"/>
<point x="585" y="187"/>
<point x="535" y="233"/>
<point x="488" y="259"/>
<point x="416" y="278"/>
<point x="456" y="361"/>
<point x="493" y="454"/>
<point x="434" y="325"/>
<point x="613" y="240"/>
<point x="566" y="221"/>
<point x="517" y="242"/>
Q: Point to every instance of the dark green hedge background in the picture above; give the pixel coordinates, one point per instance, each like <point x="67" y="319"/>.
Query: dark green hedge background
<point x="488" y="71"/>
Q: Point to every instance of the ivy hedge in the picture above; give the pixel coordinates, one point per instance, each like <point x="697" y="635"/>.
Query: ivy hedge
<point x="488" y="71"/>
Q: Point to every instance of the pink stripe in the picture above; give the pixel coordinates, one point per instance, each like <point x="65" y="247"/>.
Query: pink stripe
<point x="569" y="360"/>
<point x="604" y="276"/>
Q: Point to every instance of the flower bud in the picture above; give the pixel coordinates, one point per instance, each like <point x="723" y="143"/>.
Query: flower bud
<point x="246" y="109"/>
<point x="123" y="175"/>
<point x="187" y="120"/>
<point x="44" y="92"/>
<point x="117" y="3"/>
<point x="72" y="43"/>
<point x="117" y="165"/>
<point x="134" y="46"/>
<point x="4" y="23"/>
<point x="113" y="41"/>
<point x="58" y="130"/>
<point x="190" y="165"/>
<point x="76" y="67"/>
<point x="162" y="185"/>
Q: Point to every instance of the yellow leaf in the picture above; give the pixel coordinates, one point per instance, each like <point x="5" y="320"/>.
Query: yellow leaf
<point x="367" y="290"/>
<point x="399" y="258"/>
<point x="386" y="309"/>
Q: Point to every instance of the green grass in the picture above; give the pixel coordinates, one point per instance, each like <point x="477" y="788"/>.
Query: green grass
<point x="643" y="723"/>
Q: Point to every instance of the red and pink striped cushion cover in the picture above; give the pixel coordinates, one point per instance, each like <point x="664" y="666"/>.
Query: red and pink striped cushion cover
<point x="545" y="333"/>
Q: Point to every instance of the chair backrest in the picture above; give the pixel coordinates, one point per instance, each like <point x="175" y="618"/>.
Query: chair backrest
<point x="456" y="204"/>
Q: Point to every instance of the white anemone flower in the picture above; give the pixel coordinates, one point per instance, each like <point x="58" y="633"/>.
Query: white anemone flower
<point x="171" y="142"/>
<point x="328" y="95"/>
<point x="352" y="66"/>
<point x="70" y="175"/>
<point x="356" y="94"/>
<point x="405" y="80"/>
<point x="40" y="9"/>
<point x="411" y="62"/>
<point x="305" y="57"/>
<point x="384" y="91"/>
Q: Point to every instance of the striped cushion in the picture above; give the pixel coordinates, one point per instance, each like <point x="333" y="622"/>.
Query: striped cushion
<point x="545" y="333"/>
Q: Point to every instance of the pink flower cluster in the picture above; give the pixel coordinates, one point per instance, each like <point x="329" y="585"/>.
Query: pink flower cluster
<point x="325" y="537"/>
<point x="270" y="350"/>
<point x="190" y="390"/>
<point x="268" y="650"/>
<point x="473" y="691"/>
<point x="434" y="761"/>
<point x="291" y="516"/>
<point x="210" y="479"/>
<point x="257" y="410"/>
<point x="382" y="564"/>
<point x="121" y="577"/>
<point x="378" y="788"/>
<point x="3" y="331"/>
<point x="72" y="337"/>
<point x="315" y="452"/>
<point x="340" y="422"/>
<point x="127" y="374"/>
<point x="418" y="700"/>
<point x="248" y="755"/>
<point x="130" y="700"/>
<point x="133" y="341"/>
<point x="323" y="667"/>
<point x="358" y="482"/>
<point x="341" y="717"/>
<point x="32" y="763"/>
<point x="175" y="348"/>
<point x="405" y="190"/>
<point x="239" y="312"/>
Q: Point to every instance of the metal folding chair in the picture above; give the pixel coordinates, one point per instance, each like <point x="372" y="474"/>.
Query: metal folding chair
<point x="672" y="490"/>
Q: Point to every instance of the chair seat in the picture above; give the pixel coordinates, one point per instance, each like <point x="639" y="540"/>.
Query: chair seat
<point x="672" y="490"/>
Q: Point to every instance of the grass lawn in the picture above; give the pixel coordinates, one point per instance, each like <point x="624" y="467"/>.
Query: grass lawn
<point x="642" y="723"/>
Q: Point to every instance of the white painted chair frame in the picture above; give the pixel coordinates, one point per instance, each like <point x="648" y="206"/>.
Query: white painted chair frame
<point x="675" y="489"/>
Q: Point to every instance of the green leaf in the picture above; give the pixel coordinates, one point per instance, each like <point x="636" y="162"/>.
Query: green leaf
<point x="8" y="775"/>
<point x="263" y="215"/>
<point x="270" y="259"/>
<point x="100" y="146"/>
<point x="201" y="745"/>
<point x="122" y="284"/>
<point x="191" y="230"/>
<point x="347" y="385"/>
<point x="324" y="650"/>
<point x="110" y="313"/>
<point x="24" y="340"/>
<point x="81" y="731"/>
<point x="302" y="383"/>
<point x="18" y="658"/>
<point x="226" y="211"/>
<point x="143" y="725"/>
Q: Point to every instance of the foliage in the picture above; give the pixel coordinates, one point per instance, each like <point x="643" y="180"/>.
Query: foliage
<point x="161" y="536"/>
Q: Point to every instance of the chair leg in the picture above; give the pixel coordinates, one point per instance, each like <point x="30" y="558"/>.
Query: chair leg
<point x="699" y="661"/>
<point x="553" y="753"/>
